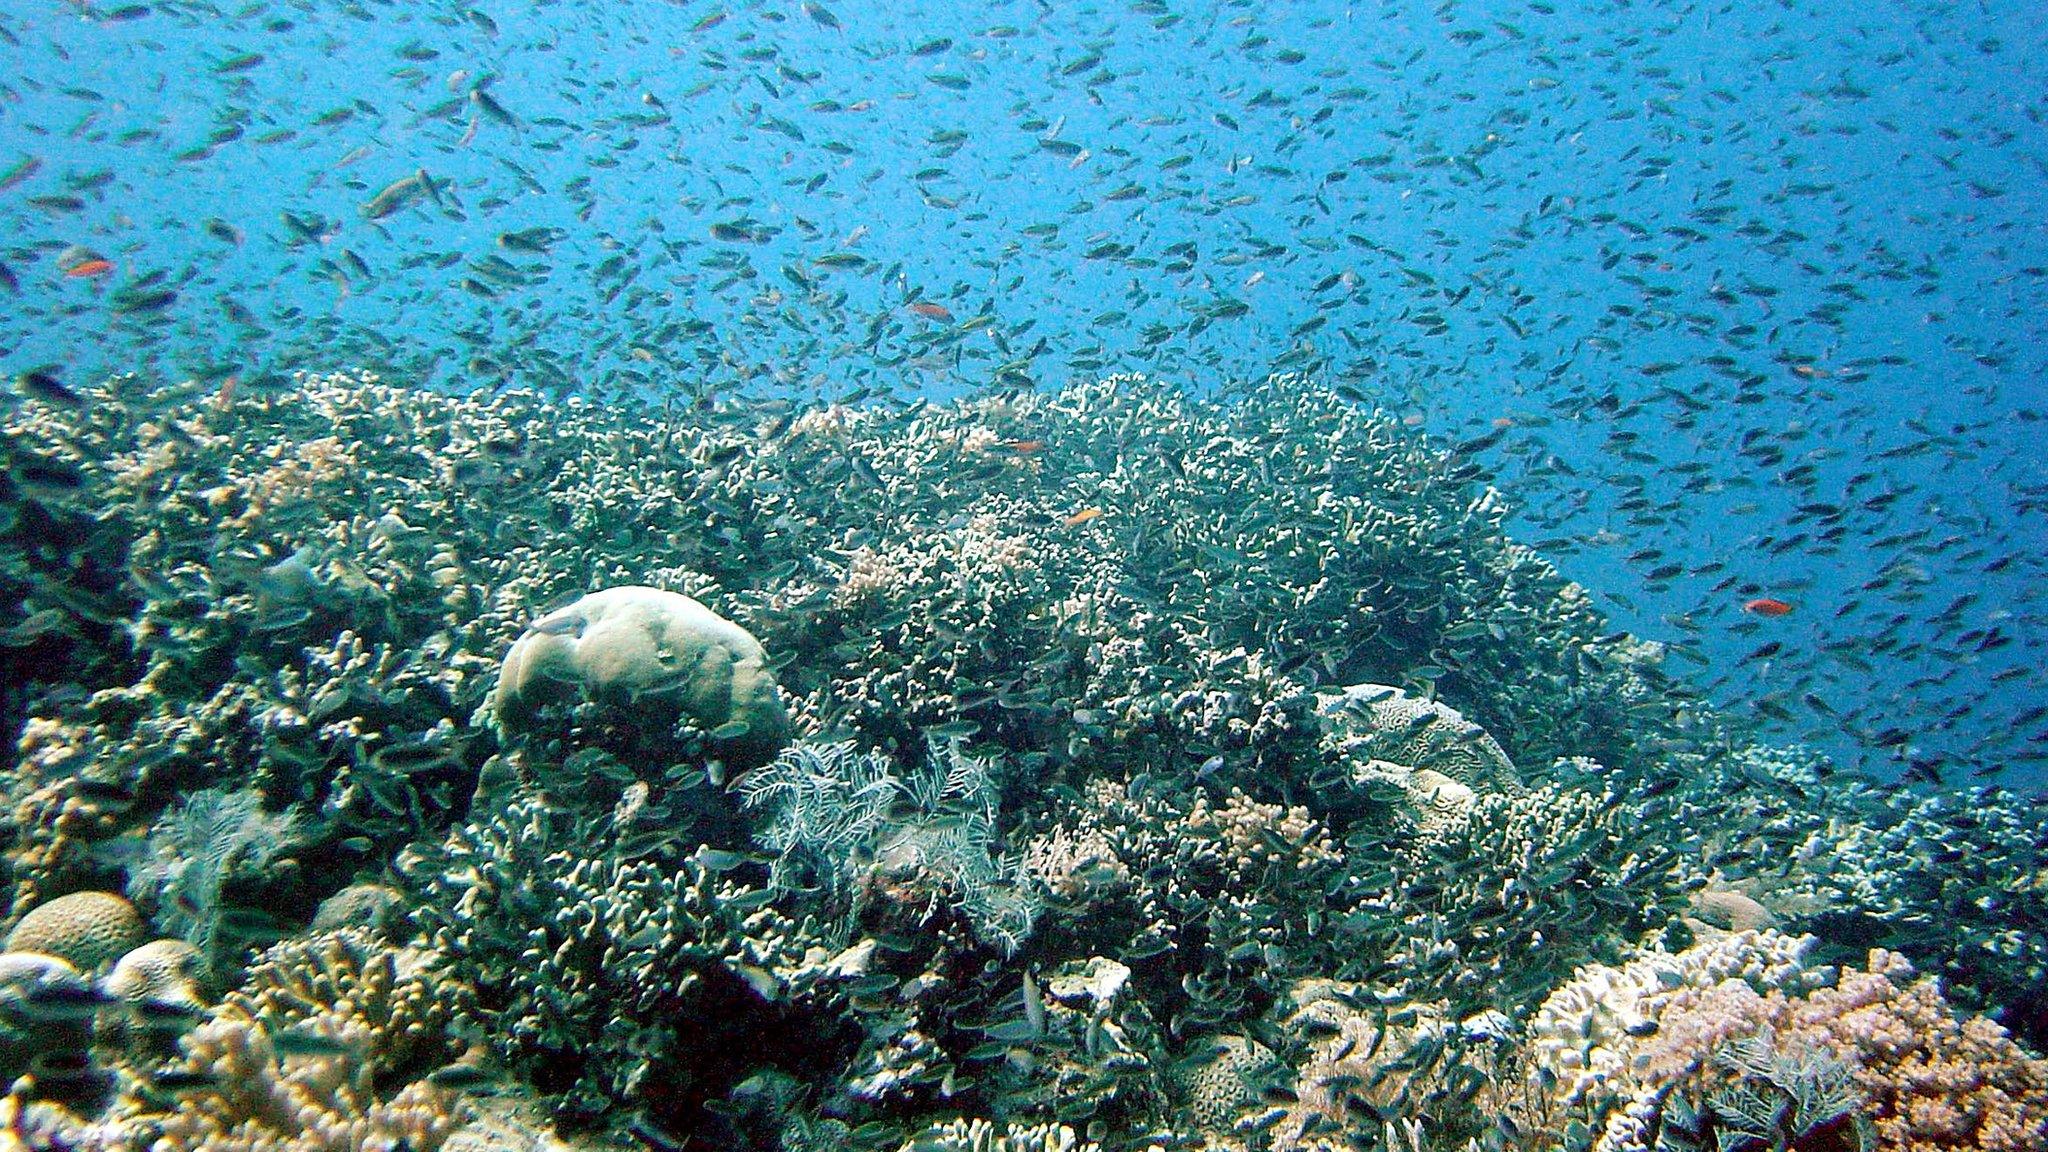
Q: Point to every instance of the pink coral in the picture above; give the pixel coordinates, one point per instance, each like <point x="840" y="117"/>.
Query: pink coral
<point x="1933" y="1081"/>
<point x="1928" y="1079"/>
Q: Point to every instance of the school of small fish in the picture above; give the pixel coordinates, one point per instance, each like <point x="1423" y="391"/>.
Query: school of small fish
<point x="1740" y="306"/>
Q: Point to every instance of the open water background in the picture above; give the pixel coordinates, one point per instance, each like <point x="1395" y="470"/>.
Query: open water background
<point x="1732" y="300"/>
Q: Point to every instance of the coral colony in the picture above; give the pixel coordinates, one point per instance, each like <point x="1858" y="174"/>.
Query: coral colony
<point x="1100" y="769"/>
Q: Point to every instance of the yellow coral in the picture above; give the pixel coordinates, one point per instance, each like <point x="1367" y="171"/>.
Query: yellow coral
<point x="392" y="1004"/>
<point x="261" y="1101"/>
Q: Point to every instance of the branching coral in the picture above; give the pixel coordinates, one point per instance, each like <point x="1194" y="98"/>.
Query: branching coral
<point x="1703" y="1048"/>
<point x="1488" y="905"/>
<point x="259" y="1098"/>
<point x="1235" y="884"/>
<point x="397" y="1008"/>
<point x="979" y="1135"/>
<point x="608" y="979"/>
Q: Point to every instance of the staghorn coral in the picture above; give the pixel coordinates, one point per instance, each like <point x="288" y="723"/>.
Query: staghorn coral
<point x="1217" y="887"/>
<point x="1369" y="1061"/>
<point x="609" y="979"/>
<point x="60" y="809"/>
<point x="297" y="622"/>
<point x="1098" y="1058"/>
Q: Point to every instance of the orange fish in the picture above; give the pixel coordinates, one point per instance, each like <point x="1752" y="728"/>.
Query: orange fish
<point x="1765" y="606"/>
<point x="1023" y="447"/>
<point x="931" y="311"/>
<point x="86" y="268"/>
<point x="1082" y="517"/>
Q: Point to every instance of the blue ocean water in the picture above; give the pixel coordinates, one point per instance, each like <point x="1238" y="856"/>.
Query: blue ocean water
<point x="1734" y="302"/>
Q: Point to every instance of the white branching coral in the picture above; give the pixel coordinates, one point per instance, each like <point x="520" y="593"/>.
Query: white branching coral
<point x="1579" y="1038"/>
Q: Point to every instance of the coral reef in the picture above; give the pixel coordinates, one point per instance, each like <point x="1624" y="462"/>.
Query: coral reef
<point x="1208" y="771"/>
<point x="1738" y="1041"/>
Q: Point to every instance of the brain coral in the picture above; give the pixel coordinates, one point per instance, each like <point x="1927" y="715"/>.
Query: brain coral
<point x="1221" y="1089"/>
<point x="1378" y="722"/>
<point x="163" y="977"/>
<point x="633" y="644"/>
<point x="89" y="929"/>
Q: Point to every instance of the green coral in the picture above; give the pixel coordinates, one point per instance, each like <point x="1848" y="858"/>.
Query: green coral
<point x="606" y="978"/>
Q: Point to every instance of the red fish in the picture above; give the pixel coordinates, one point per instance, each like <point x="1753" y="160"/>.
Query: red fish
<point x="1082" y="517"/>
<point x="86" y="268"/>
<point x="1765" y="606"/>
<point x="931" y="311"/>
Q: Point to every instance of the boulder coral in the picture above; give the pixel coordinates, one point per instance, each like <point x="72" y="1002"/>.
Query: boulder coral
<point x="634" y="645"/>
<point x="163" y="980"/>
<point x="88" y="929"/>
